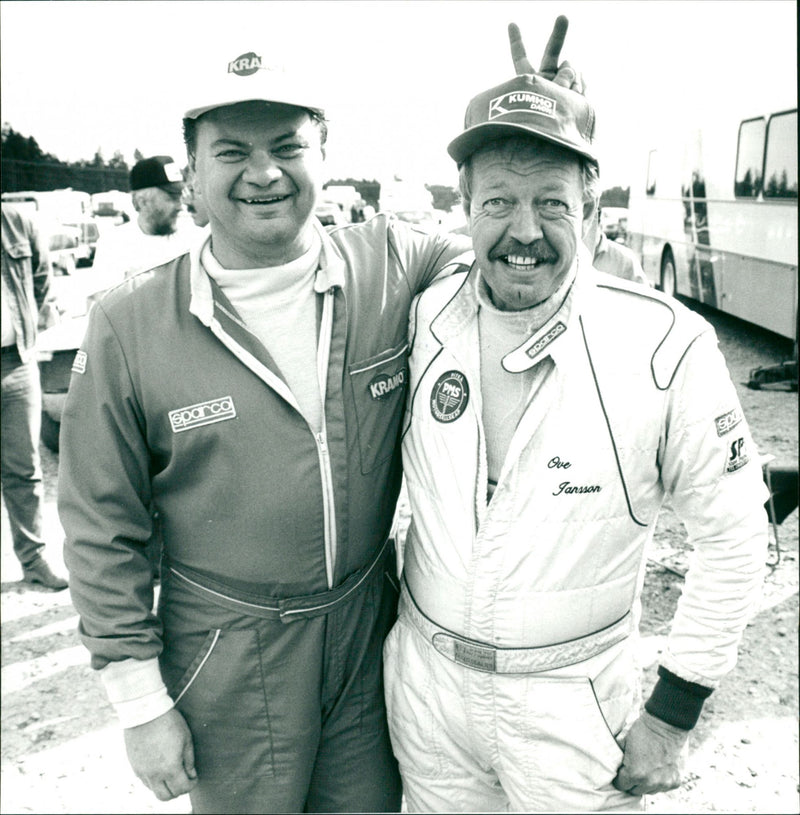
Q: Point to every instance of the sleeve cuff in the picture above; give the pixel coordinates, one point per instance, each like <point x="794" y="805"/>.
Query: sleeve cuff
<point x="136" y="690"/>
<point x="676" y="701"/>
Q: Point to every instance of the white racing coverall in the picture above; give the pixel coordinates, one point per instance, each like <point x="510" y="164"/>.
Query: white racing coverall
<point x="513" y="663"/>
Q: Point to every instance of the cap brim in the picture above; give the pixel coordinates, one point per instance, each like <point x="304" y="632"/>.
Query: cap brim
<point x="463" y="146"/>
<point x="194" y="113"/>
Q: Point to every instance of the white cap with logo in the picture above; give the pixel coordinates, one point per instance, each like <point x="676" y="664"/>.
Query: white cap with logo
<point x="249" y="78"/>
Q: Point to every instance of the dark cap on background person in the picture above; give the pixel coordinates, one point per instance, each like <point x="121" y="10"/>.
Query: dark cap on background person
<point x="527" y="104"/>
<point x="248" y="77"/>
<point x="157" y="171"/>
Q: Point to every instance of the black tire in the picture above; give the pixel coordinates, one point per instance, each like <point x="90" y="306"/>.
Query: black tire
<point x="50" y="431"/>
<point x="668" y="277"/>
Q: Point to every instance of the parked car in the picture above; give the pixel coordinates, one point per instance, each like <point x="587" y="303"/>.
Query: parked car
<point x="330" y="214"/>
<point x="67" y="208"/>
<point x="56" y="348"/>
<point x="64" y="244"/>
<point x="614" y="223"/>
<point x="419" y="217"/>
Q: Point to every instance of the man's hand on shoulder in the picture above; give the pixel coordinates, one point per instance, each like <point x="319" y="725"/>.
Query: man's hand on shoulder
<point x="161" y="754"/>
<point x="653" y="757"/>
<point x="563" y="74"/>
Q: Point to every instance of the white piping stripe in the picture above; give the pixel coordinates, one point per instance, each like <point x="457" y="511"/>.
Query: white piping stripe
<point x="381" y="362"/>
<point x="219" y="594"/>
<point x="217" y="632"/>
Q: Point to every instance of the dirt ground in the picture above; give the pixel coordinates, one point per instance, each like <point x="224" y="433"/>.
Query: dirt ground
<point x="62" y="751"/>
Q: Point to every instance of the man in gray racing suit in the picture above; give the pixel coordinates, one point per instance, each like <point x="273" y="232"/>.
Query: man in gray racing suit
<point x="552" y="409"/>
<point x="251" y="392"/>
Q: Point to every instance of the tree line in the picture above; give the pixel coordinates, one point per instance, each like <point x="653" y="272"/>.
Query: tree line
<point x="25" y="166"/>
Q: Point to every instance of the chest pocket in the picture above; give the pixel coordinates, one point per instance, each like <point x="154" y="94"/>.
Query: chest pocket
<point x="21" y="250"/>
<point x="379" y="386"/>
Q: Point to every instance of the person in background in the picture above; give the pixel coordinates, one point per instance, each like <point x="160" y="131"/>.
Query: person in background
<point x="551" y="412"/>
<point x="26" y="276"/>
<point x="612" y="257"/>
<point x="156" y="236"/>
<point x="251" y="392"/>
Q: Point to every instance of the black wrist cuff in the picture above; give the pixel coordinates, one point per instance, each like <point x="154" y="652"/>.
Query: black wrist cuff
<point x="676" y="701"/>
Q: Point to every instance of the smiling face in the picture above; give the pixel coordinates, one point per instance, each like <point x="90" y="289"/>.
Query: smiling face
<point x="257" y="172"/>
<point x="526" y="213"/>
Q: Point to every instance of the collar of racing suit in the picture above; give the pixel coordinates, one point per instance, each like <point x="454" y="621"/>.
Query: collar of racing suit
<point x="556" y="337"/>
<point x="330" y="274"/>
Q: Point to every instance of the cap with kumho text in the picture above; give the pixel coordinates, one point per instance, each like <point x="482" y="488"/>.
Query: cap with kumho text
<point x="527" y="104"/>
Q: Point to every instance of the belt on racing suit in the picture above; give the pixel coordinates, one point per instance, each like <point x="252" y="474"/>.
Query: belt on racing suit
<point x="286" y="609"/>
<point x="491" y="659"/>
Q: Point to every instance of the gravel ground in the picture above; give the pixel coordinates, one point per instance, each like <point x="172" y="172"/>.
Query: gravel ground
<point x="62" y="752"/>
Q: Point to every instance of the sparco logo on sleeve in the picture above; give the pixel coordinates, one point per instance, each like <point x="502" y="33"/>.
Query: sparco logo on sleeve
<point x="215" y="410"/>
<point x="522" y="100"/>
<point x="449" y="396"/>
<point x="728" y="421"/>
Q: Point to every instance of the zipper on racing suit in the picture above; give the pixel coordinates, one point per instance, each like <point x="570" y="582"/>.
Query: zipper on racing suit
<point x="328" y="505"/>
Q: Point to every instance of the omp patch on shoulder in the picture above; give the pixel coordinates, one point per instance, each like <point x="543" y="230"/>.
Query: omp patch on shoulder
<point x="79" y="363"/>
<point x="728" y="421"/>
<point x="386" y="384"/>
<point x="737" y="456"/>
<point x="522" y="100"/>
<point x="203" y="413"/>
<point x="449" y="396"/>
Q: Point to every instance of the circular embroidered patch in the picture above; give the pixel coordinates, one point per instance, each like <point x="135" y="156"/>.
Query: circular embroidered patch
<point x="449" y="396"/>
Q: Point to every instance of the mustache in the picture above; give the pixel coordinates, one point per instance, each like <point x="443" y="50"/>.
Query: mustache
<point x="539" y="250"/>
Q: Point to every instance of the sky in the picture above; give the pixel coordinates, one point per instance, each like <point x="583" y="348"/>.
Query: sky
<point x="397" y="74"/>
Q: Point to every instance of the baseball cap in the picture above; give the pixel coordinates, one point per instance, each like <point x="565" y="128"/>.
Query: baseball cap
<point x="530" y="104"/>
<point x="247" y="78"/>
<point x="157" y="171"/>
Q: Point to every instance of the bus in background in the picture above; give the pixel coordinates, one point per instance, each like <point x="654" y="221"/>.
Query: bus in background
<point x="713" y="216"/>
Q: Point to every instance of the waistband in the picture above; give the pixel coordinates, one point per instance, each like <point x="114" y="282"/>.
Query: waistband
<point x="489" y="658"/>
<point x="285" y="609"/>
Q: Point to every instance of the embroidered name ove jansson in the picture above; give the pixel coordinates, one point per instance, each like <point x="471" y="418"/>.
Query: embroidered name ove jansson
<point x="203" y="413"/>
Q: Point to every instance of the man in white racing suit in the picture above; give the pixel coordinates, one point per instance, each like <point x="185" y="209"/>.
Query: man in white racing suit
<point x="552" y="409"/>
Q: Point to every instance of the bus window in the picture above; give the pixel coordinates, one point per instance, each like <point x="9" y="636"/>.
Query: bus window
<point x="652" y="165"/>
<point x="749" y="158"/>
<point x="780" y="167"/>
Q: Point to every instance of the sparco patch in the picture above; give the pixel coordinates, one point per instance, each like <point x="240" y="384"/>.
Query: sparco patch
<point x="386" y="384"/>
<point x="203" y="413"/>
<point x="542" y="343"/>
<point x="522" y="100"/>
<point x="449" y="396"/>
<point x="79" y="363"/>
<point x="728" y="421"/>
<point x="245" y="65"/>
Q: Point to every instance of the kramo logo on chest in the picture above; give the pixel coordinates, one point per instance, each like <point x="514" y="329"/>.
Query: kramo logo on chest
<point x="385" y="384"/>
<point x="449" y="396"/>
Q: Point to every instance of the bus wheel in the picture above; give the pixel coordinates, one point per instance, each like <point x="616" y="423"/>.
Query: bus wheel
<point x="668" y="285"/>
